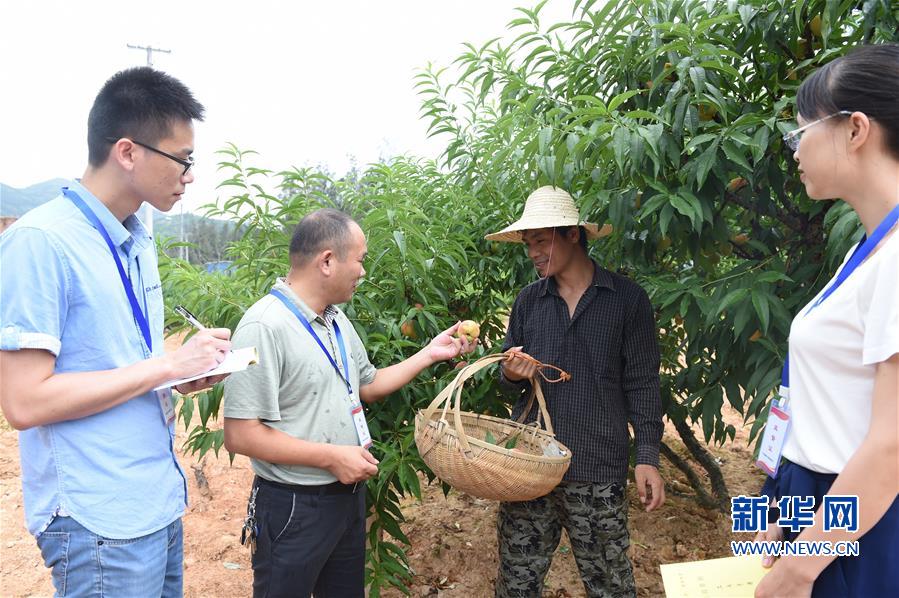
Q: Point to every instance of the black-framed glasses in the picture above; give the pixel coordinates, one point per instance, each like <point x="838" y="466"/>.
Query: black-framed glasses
<point x="187" y="164"/>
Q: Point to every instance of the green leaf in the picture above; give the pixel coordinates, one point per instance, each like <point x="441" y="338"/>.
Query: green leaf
<point x="620" y="142"/>
<point x="705" y="162"/>
<point x="544" y="139"/>
<point x="697" y="74"/>
<point x="621" y="98"/>
<point x="730" y="299"/>
<point x="689" y="208"/>
<point x="760" y="302"/>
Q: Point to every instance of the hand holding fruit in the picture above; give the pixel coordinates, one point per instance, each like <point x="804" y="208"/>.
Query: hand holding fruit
<point x="453" y="342"/>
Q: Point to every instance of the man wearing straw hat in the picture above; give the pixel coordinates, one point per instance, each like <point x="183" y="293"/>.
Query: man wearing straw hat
<point x="598" y="326"/>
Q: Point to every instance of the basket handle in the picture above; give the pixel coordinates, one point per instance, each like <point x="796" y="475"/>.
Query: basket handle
<point x="452" y="393"/>
<point x="445" y="395"/>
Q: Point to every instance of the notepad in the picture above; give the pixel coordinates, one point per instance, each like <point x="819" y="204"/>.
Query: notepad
<point x="731" y="577"/>
<point x="235" y="361"/>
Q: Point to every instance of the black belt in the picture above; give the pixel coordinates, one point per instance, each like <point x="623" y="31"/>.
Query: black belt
<point x="332" y="488"/>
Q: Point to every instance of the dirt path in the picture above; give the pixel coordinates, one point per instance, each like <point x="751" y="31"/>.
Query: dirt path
<point x="454" y="543"/>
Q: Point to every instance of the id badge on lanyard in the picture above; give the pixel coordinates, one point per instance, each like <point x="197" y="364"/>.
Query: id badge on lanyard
<point x="771" y="446"/>
<point x="775" y="436"/>
<point x="355" y="406"/>
<point x="166" y="405"/>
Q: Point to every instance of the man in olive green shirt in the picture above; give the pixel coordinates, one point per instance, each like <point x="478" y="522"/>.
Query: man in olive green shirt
<point x="299" y="418"/>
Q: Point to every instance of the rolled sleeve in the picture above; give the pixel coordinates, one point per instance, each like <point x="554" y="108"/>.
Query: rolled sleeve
<point x="33" y="291"/>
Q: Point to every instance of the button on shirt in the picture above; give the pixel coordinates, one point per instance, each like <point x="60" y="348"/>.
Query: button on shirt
<point x="114" y="472"/>
<point x="610" y="348"/>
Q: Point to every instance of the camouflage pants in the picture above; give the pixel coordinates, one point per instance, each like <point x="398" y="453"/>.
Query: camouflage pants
<point x="595" y="517"/>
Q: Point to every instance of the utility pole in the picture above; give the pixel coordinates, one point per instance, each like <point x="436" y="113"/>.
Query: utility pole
<point x="150" y="51"/>
<point x="147" y="209"/>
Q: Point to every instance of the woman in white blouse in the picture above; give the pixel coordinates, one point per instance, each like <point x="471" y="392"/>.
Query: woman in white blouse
<point x="843" y="438"/>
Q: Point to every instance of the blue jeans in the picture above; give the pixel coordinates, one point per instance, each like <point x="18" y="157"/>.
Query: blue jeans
<point x="85" y="564"/>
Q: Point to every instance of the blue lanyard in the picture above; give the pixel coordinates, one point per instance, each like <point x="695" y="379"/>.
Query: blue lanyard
<point x="864" y="248"/>
<point x="346" y="368"/>
<point x="142" y="322"/>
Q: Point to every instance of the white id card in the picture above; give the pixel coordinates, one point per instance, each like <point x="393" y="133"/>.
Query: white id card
<point x="361" y="426"/>
<point x="772" y="444"/>
<point x="165" y="403"/>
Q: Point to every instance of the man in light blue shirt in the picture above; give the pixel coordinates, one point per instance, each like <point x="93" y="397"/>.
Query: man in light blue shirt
<point x="81" y="350"/>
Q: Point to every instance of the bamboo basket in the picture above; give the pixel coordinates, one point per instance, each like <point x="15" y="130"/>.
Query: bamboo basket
<point x="460" y="455"/>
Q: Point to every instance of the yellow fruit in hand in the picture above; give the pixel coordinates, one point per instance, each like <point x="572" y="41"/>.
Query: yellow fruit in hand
<point x="407" y="329"/>
<point x="469" y="329"/>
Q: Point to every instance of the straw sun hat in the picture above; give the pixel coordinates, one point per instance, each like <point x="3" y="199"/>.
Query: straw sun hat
<point x="548" y="207"/>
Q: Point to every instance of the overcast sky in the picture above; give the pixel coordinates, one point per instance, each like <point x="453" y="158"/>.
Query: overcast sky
<point x="303" y="83"/>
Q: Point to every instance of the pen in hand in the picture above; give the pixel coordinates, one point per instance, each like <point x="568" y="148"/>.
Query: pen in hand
<point x="182" y="311"/>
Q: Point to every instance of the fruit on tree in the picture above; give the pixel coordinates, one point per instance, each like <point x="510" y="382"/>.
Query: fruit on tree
<point x="815" y="25"/>
<point x="736" y="184"/>
<point x="407" y="329"/>
<point x="707" y="112"/>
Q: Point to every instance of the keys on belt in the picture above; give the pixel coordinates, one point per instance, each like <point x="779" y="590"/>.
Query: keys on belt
<point x="250" y="528"/>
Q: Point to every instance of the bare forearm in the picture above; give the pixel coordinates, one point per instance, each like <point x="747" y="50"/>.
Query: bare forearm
<point x="259" y="441"/>
<point x="392" y="378"/>
<point x="62" y="397"/>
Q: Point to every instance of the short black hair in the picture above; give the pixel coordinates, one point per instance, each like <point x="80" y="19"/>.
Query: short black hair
<point x="865" y="80"/>
<point x="322" y="229"/>
<point x="139" y="103"/>
<point x="582" y="234"/>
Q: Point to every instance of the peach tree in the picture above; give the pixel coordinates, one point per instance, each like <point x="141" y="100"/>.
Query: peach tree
<point x="664" y="118"/>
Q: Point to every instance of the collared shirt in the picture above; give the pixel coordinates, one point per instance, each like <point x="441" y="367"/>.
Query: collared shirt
<point x="294" y="388"/>
<point x="610" y="348"/>
<point x="114" y="472"/>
